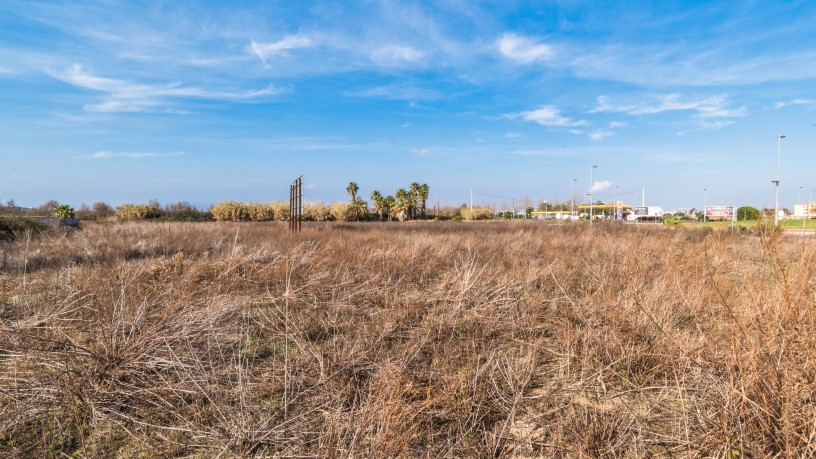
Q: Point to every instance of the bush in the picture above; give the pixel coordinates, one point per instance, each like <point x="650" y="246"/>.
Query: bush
<point x="477" y="213"/>
<point x="317" y="212"/>
<point x="137" y="211"/>
<point x="63" y="211"/>
<point x="230" y="211"/>
<point x="747" y="213"/>
<point x="260" y="212"/>
<point x="340" y="211"/>
<point x="281" y="210"/>
<point x="12" y="226"/>
<point x="188" y="216"/>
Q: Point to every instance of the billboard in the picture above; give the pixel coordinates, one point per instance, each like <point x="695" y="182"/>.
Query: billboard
<point x="723" y="212"/>
<point x="640" y="210"/>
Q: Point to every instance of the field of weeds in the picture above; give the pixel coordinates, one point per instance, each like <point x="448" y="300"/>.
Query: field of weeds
<point x="406" y="340"/>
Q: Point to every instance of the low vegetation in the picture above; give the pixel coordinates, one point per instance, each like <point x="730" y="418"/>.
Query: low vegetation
<point x="431" y="339"/>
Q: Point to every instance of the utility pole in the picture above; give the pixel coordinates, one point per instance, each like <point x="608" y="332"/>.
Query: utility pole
<point x="572" y="200"/>
<point x="643" y="198"/>
<point x="705" y="203"/>
<point x="779" y="138"/>
<point x="471" y="200"/>
<point x="591" y="205"/>
<point x="615" y="198"/>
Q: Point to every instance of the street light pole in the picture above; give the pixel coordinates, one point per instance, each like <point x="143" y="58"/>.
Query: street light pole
<point x="572" y="200"/>
<point x="615" y="197"/>
<point x="591" y="206"/>
<point x="705" y="203"/>
<point x="779" y="138"/>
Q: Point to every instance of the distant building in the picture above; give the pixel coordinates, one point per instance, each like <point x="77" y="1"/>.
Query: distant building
<point x="805" y="210"/>
<point x="606" y="210"/>
<point x="551" y="214"/>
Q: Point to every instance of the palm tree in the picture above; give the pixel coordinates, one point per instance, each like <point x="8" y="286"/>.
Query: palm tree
<point x="414" y="198"/>
<point x="352" y="190"/>
<point x="423" y="197"/>
<point x="402" y="204"/>
<point x="388" y="204"/>
<point x="377" y="199"/>
<point x="358" y="208"/>
<point x="63" y="211"/>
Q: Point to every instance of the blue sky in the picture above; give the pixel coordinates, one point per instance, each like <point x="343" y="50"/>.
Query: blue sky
<point x="208" y="101"/>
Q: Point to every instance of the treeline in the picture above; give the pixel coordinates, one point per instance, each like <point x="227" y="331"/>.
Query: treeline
<point x="102" y="211"/>
<point x="405" y="204"/>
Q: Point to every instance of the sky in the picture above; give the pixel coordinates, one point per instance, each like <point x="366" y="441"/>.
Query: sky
<point x="127" y="101"/>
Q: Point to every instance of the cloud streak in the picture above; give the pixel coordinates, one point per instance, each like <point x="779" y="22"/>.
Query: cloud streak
<point x="522" y="49"/>
<point x="709" y="107"/>
<point x="278" y="48"/>
<point x="549" y="116"/>
<point x="396" y="56"/>
<point x="127" y="96"/>
<point x="106" y="154"/>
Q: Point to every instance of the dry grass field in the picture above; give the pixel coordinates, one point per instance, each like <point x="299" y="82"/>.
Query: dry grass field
<point x="406" y="340"/>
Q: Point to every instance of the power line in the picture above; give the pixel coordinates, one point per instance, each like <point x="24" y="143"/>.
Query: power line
<point x="500" y="197"/>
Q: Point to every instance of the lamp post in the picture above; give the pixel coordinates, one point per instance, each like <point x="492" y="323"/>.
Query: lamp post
<point x="705" y="203"/>
<point x="615" y="197"/>
<point x="572" y="200"/>
<point x="779" y="138"/>
<point x="591" y="206"/>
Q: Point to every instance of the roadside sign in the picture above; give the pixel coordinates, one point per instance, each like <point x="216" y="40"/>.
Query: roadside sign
<point x="723" y="212"/>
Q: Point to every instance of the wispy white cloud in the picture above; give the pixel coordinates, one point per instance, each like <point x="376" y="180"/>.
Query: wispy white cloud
<point x="709" y="113"/>
<point x="396" y="56"/>
<point x="278" y="48"/>
<point x="810" y="102"/>
<point x="707" y="125"/>
<point x="512" y="135"/>
<point x="127" y="96"/>
<point x="419" y="151"/>
<point x="600" y="134"/>
<point x="600" y="186"/>
<point x="397" y="92"/>
<point x="548" y="115"/>
<point x="708" y="107"/>
<point x="522" y="49"/>
<point x="106" y="154"/>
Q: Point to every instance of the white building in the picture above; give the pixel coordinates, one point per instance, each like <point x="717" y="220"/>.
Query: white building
<point x="805" y="210"/>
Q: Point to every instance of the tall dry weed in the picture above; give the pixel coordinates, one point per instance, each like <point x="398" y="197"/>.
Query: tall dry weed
<point x="403" y="340"/>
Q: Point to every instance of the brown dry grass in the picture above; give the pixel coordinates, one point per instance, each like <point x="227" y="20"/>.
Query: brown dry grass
<point x="412" y="340"/>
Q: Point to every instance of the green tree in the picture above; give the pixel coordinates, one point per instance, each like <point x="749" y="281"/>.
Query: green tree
<point x="747" y="213"/>
<point x="388" y="205"/>
<point x="402" y="204"/>
<point x="63" y="211"/>
<point x="352" y="190"/>
<point x="379" y="202"/>
<point x="413" y="200"/>
<point x="357" y="209"/>
<point x="424" y="191"/>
